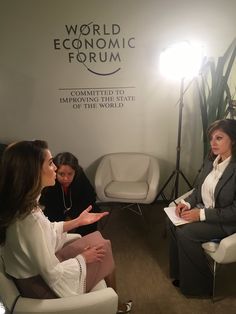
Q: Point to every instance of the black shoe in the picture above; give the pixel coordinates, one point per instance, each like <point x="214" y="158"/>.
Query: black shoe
<point x="176" y="283"/>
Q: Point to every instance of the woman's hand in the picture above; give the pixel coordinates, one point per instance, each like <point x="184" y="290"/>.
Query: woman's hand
<point x="93" y="254"/>
<point x="86" y="218"/>
<point x="191" y="215"/>
<point x="180" y="208"/>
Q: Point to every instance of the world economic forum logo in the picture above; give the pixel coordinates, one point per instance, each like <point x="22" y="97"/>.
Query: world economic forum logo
<point x="100" y="48"/>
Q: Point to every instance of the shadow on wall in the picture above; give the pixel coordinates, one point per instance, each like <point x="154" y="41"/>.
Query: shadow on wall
<point x="16" y="100"/>
<point x="91" y="170"/>
<point x="167" y="170"/>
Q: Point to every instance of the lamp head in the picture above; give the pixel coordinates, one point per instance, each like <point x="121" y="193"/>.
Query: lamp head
<point x="181" y="60"/>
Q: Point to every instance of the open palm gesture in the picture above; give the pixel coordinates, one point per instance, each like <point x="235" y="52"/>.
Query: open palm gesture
<point x="86" y="218"/>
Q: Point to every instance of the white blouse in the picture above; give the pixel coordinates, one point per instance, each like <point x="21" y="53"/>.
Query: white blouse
<point x="30" y="249"/>
<point x="209" y="184"/>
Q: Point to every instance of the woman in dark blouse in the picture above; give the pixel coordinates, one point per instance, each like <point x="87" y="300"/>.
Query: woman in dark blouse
<point x="71" y="194"/>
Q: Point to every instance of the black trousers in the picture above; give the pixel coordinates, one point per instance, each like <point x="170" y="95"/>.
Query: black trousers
<point x="187" y="259"/>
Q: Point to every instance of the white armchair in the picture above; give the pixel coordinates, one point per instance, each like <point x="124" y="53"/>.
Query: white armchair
<point x="223" y="252"/>
<point x="127" y="178"/>
<point x="100" y="300"/>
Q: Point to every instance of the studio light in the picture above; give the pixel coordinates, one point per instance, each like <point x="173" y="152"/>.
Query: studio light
<point x="181" y="61"/>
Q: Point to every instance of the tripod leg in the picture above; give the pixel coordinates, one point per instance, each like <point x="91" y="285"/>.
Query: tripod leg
<point x="161" y="192"/>
<point x="174" y="192"/>
<point x="186" y="180"/>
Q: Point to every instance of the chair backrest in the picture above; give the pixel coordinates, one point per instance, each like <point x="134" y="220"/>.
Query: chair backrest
<point x="124" y="169"/>
<point x="129" y="166"/>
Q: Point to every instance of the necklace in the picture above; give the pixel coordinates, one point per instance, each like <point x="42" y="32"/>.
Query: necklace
<point x="64" y="202"/>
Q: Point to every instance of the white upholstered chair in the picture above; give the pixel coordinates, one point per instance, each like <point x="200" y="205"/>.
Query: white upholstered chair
<point x="218" y="252"/>
<point x="131" y="178"/>
<point x="101" y="300"/>
<point x="223" y="252"/>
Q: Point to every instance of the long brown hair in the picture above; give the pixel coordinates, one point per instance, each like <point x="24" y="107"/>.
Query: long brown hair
<point x="20" y="181"/>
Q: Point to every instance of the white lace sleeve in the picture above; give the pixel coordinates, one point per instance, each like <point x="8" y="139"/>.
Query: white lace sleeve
<point x="66" y="278"/>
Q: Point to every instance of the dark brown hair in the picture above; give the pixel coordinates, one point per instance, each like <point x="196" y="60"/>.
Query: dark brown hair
<point x="67" y="159"/>
<point x="228" y="126"/>
<point x="20" y="181"/>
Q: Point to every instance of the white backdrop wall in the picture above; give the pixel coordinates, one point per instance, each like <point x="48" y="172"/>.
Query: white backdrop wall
<point x="133" y="109"/>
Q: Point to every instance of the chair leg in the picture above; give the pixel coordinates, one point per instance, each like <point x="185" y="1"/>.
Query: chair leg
<point x="102" y="223"/>
<point x="213" y="266"/>
<point x="137" y="211"/>
<point x="214" y="281"/>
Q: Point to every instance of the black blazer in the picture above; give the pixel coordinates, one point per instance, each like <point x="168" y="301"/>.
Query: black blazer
<point x="225" y="197"/>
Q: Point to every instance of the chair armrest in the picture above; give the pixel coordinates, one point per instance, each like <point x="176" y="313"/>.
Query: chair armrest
<point x="153" y="179"/>
<point x="226" y="251"/>
<point x="99" y="302"/>
<point x="103" y="176"/>
<point x="72" y="236"/>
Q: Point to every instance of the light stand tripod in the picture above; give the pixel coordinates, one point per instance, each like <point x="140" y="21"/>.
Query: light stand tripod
<point x="177" y="172"/>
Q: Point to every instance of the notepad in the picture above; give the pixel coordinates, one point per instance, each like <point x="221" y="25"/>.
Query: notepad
<point x="170" y="211"/>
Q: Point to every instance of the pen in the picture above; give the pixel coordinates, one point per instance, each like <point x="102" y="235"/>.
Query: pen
<point x="183" y="202"/>
<point x="182" y="209"/>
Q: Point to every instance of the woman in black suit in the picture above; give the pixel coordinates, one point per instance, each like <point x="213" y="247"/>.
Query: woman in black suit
<point x="71" y="194"/>
<point x="211" y="209"/>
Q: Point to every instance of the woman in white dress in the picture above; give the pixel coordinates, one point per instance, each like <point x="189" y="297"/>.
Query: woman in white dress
<point x="33" y="247"/>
